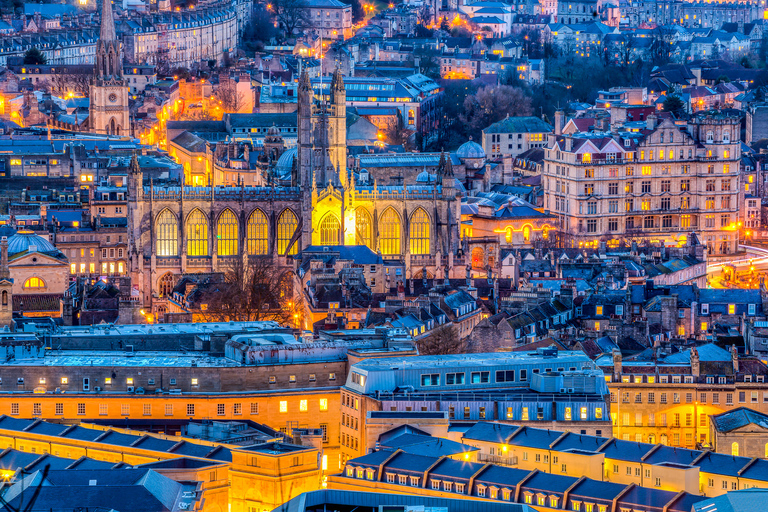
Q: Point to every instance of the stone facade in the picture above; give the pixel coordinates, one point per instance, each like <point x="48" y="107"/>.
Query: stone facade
<point x="659" y="187"/>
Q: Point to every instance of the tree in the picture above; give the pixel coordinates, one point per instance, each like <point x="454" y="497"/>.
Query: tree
<point x="395" y="133"/>
<point x="76" y="81"/>
<point x="227" y="93"/>
<point x="722" y="79"/>
<point x="443" y="340"/>
<point x="491" y="104"/>
<point x="428" y="61"/>
<point x="259" y="30"/>
<point x="452" y="133"/>
<point x="34" y="56"/>
<point x="253" y="290"/>
<point x="291" y="15"/>
<point x="423" y="18"/>
<point x="660" y="50"/>
<point x="674" y="105"/>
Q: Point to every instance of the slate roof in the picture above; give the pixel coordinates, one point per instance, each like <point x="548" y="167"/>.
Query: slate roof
<point x="738" y="418"/>
<point x="128" y="489"/>
<point x="490" y="432"/>
<point x="745" y="500"/>
<point x="521" y="124"/>
<point x="190" y="142"/>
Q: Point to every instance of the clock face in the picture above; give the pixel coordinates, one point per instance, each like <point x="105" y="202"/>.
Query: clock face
<point x="113" y="97"/>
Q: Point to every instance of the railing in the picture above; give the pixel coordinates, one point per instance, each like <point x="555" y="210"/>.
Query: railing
<point x="497" y="459"/>
<point x="199" y="261"/>
<point x="168" y="261"/>
<point x="225" y="193"/>
<point x="423" y="260"/>
<point x="488" y="396"/>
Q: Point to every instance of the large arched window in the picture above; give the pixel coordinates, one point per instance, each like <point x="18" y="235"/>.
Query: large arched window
<point x="197" y="234"/>
<point x="167" y="234"/>
<point x="286" y="227"/>
<point x="165" y="285"/>
<point x="419" y="232"/>
<point x="329" y="230"/>
<point x="390" y="228"/>
<point x="34" y="283"/>
<point x="258" y="233"/>
<point x="363" y="225"/>
<point x="735" y="449"/>
<point x="227" y="234"/>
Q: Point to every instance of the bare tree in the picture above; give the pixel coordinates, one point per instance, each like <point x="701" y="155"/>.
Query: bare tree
<point x="443" y="340"/>
<point x="227" y="93"/>
<point x="291" y="15"/>
<point x="395" y="133"/>
<point x="254" y="290"/>
<point x="490" y="104"/>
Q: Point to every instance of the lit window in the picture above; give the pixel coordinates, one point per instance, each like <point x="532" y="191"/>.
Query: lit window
<point x="302" y="406"/>
<point x="129" y="381"/>
<point x="731" y="309"/>
<point x="64" y="380"/>
<point x="323" y="404"/>
<point x="194" y="382"/>
<point x="283" y="406"/>
<point x="34" y="282"/>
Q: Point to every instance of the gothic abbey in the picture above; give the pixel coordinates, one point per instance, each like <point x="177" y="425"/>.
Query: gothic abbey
<point x="403" y="206"/>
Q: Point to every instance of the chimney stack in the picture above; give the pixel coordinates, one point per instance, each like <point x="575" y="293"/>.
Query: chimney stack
<point x="559" y="122"/>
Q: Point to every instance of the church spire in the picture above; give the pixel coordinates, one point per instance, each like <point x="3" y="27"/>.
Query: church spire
<point x="107" y="22"/>
<point x="109" y="64"/>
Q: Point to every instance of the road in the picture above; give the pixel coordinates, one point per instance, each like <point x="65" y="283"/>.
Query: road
<point x="756" y="260"/>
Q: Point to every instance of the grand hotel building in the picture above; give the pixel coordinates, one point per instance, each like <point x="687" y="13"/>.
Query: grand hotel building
<point x="661" y="183"/>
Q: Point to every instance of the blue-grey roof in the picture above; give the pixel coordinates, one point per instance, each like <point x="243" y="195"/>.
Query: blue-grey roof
<point x="490" y="432"/>
<point x="549" y="482"/>
<point x="470" y="149"/>
<point x="23" y="240"/>
<point x="408" y="462"/>
<point x="502" y="476"/>
<point x="521" y="124"/>
<point x="596" y="489"/>
<point x="373" y="458"/>
<point x="626" y="450"/>
<point x="450" y="468"/>
<point x="430" y="446"/>
<point x="535" y="438"/>
<point x="361" y="254"/>
<point x="745" y="500"/>
<point x="738" y="418"/>
<point x="580" y="442"/>
<point x="709" y="352"/>
<point x="722" y="464"/>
